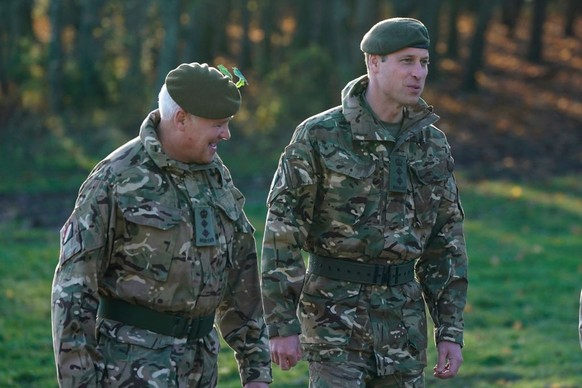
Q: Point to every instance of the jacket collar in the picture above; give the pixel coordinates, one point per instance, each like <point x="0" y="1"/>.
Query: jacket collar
<point x="366" y="126"/>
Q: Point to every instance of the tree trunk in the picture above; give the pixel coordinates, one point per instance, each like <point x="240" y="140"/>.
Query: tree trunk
<point x="245" y="57"/>
<point x="510" y="10"/>
<point x="135" y="14"/>
<point x="55" y="55"/>
<point x="89" y="52"/>
<point x="170" y="12"/>
<point x="220" y="10"/>
<point x="430" y="16"/>
<point x="198" y="30"/>
<point x="453" y="30"/>
<point x="404" y="8"/>
<point x="366" y="13"/>
<point x="15" y="30"/>
<point x="268" y="15"/>
<point x="339" y="37"/>
<point x="535" y="50"/>
<point x="475" y="61"/>
<point x="573" y="8"/>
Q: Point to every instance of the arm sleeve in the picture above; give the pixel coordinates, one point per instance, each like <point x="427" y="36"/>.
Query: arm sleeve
<point x="240" y="314"/>
<point x="74" y="299"/>
<point x="442" y="269"/>
<point x="289" y="218"/>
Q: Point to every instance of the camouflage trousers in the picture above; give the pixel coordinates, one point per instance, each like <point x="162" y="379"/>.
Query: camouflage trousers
<point x="349" y="375"/>
<point x="131" y="361"/>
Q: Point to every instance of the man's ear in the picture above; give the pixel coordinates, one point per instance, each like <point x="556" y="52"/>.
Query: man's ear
<point x="179" y="118"/>
<point x="374" y="60"/>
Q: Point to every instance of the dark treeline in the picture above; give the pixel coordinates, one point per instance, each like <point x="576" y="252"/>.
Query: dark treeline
<point x="106" y="60"/>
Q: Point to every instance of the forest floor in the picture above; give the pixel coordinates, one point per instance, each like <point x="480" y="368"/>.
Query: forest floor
<point x="524" y="123"/>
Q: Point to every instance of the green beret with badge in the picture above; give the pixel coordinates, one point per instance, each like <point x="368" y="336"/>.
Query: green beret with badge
<point x="395" y="34"/>
<point x="203" y="91"/>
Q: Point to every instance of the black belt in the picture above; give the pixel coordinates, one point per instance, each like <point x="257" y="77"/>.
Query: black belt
<point x="158" y="322"/>
<point x="354" y="271"/>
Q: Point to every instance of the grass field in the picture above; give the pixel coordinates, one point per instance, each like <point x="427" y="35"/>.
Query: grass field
<point x="524" y="244"/>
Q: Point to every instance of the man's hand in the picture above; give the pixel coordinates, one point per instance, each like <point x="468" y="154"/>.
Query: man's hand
<point x="256" y="384"/>
<point x="285" y="351"/>
<point x="449" y="360"/>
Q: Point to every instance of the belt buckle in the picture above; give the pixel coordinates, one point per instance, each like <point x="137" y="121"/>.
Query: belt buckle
<point x="392" y="274"/>
<point x="379" y="276"/>
<point x="382" y="274"/>
<point x="193" y="329"/>
<point x="181" y="327"/>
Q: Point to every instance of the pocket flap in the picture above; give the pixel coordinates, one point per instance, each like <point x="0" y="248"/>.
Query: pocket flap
<point x="432" y="170"/>
<point x="149" y="212"/>
<point x="349" y="164"/>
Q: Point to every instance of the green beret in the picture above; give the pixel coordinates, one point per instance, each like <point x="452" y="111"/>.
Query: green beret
<point x="394" y="34"/>
<point x="203" y="91"/>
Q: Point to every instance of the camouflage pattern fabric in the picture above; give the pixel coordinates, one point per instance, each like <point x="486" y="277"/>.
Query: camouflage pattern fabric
<point x="331" y="195"/>
<point x="349" y="375"/>
<point x="134" y="235"/>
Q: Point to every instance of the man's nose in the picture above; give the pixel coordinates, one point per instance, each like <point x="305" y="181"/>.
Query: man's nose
<point x="225" y="133"/>
<point x="419" y="70"/>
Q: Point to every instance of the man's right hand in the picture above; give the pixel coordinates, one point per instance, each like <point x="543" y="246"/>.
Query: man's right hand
<point x="285" y="351"/>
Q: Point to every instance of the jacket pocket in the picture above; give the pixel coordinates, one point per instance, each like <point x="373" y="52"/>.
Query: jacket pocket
<point x="348" y="191"/>
<point x="327" y="309"/>
<point x="150" y="236"/>
<point x="429" y="178"/>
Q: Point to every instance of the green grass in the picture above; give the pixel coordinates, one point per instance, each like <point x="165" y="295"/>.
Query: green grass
<point x="524" y="244"/>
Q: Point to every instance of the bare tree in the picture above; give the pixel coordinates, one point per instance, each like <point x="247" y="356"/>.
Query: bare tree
<point x="365" y="17"/>
<point x="453" y="30"/>
<point x="404" y="7"/>
<point x="55" y="58"/>
<point x="340" y="37"/>
<point x="170" y="12"/>
<point x="429" y="14"/>
<point x="89" y="51"/>
<point x="196" y="32"/>
<point x="535" y="49"/>
<point x="510" y="10"/>
<point x="475" y="61"/>
<point x="572" y="10"/>
<point x="245" y="56"/>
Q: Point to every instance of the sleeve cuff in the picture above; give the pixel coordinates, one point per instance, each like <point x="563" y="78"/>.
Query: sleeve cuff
<point x="286" y="330"/>
<point x="249" y="375"/>
<point x="451" y="334"/>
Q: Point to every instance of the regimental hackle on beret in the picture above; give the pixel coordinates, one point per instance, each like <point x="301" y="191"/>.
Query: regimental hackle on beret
<point x="203" y="91"/>
<point x="395" y="34"/>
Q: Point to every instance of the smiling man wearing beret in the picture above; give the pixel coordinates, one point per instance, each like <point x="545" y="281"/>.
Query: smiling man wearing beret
<point x="158" y="250"/>
<point x="367" y="190"/>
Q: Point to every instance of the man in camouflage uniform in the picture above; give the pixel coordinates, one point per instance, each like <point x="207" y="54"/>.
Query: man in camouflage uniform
<point x="367" y="190"/>
<point x="157" y="250"/>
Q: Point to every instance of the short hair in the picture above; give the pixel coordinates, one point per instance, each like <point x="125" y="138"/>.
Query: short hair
<point x="166" y="104"/>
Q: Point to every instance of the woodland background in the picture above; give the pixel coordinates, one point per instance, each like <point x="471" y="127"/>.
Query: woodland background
<point x="77" y="77"/>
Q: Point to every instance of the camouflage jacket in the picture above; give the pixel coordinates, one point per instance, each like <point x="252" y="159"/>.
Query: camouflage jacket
<point x="135" y="235"/>
<point x="335" y="194"/>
